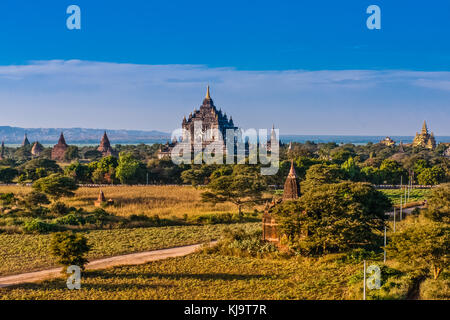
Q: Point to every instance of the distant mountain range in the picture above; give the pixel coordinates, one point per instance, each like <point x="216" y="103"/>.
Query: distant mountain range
<point x="15" y="135"/>
<point x="82" y="136"/>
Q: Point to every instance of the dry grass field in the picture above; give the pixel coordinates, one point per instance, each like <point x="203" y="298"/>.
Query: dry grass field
<point x="164" y="201"/>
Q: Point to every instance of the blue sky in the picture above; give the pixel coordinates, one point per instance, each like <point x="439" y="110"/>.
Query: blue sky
<point x="310" y="67"/>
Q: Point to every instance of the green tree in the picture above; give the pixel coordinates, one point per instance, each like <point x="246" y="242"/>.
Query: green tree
<point x="243" y="187"/>
<point x="351" y="169"/>
<point x="104" y="170"/>
<point x="420" y="165"/>
<point x="372" y="175"/>
<point x="93" y="154"/>
<point x="35" y="198"/>
<point x="7" y="174"/>
<point x="79" y="172"/>
<point x="201" y="175"/>
<point x="130" y="170"/>
<point x="71" y="153"/>
<point x="320" y="174"/>
<point x="431" y="176"/>
<point x="423" y="246"/>
<point x="56" y="186"/>
<point x="334" y="217"/>
<point x="39" y="168"/>
<point x="70" y="249"/>
<point x="342" y="154"/>
<point x="438" y="206"/>
<point x="392" y="172"/>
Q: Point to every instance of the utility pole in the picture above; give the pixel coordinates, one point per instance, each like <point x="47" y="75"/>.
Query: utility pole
<point x="385" y="244"/>
<point x="401" y="197"/>
<point x="394" y="218"/>
<point x="409" y="183"/>
<point x="364" y="285"/>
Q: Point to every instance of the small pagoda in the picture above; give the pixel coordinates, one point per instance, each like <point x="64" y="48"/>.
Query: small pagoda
<point x="101" y="200"/>
<point x="291" y="192"/>
<point x="59" y="149"/>
<point x="388" y="142"/>
<point x="105" y="146"/>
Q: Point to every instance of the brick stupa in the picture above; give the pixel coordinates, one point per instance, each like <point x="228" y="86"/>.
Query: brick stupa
<point x="291" y="186"/>
<point x="291" y="192"/>
<point x="101" y="200"/>
<point x="59" y="149"/>
<point x="105" y="146"/>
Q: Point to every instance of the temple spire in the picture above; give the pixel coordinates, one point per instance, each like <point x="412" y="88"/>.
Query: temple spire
<point x="292" y="170"/>
<point x="424" y="127"/>
<point x="207" y="93"/>
<point x="25" y="141"/>
<point x="291" y="186"/>
<point x="61" y="140"/>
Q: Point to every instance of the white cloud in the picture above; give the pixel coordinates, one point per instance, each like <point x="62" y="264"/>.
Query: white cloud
<point x="113" y="95"/>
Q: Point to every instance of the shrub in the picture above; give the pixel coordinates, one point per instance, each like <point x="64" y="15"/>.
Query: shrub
<point x="425" y="246"/>
<point x="72" y="219"/>
<point x="242" y="243"/>
<point x="39" y="226"/>
<point x="70" y="249"/>
<point x="59" y="208"/>
<point x="34" y="198"/>
<point x="138" y="217"/>
<point x="358" y="255"/>
<point x="7" y="198"/>
<point x="56" y="186"/>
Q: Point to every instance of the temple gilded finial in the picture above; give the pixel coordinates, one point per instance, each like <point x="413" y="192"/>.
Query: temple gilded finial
<point x="207" y="93"/>
<point x="424" y="127"/>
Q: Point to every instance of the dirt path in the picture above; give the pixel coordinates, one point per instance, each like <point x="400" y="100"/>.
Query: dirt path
<point x="405" y="211"/>
<point x="127" y="259"/>
<point x="414" y="292"/>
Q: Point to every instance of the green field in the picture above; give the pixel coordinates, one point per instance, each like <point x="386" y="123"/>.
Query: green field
<point x="201" y="276"/>
<point x="216" y="276"/>
<point x="29" y="252"/>
<point x="414" y="195"/>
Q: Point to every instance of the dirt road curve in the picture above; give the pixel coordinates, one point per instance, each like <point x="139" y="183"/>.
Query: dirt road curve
<point x="127" y="259"/>
<point x="405" y="211"/>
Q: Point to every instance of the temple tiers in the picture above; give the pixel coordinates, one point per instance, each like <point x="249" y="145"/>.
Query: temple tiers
<point x="59" y="149"/>
<point x="211" y="119"/>
<point x="424" y="139"/>
<point x="214" y="124"/>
